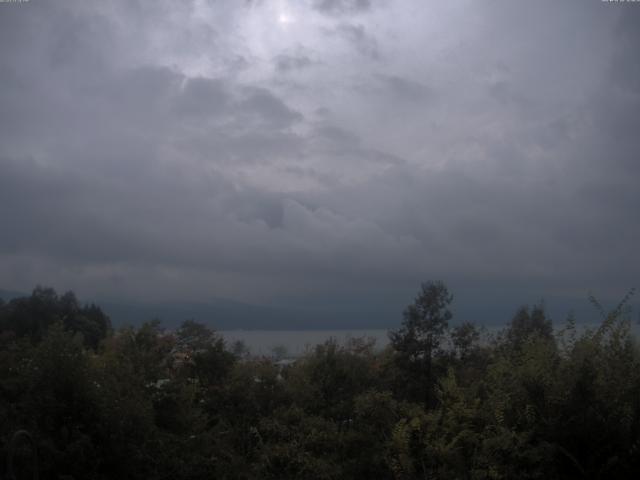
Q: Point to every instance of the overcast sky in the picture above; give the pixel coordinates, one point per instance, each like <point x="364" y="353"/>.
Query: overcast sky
<point x="334" y="152"/>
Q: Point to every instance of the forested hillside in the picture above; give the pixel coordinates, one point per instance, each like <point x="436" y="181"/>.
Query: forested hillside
<point x="441" y="401"/>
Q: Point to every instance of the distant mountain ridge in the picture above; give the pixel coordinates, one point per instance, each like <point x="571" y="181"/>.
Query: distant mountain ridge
<point x="7" y="295"/>
<point x="224" y="314"/>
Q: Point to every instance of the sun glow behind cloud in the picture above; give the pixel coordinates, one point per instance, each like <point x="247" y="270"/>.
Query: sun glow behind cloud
<point x="284" y="14"/>
<point x="285" y="18"/>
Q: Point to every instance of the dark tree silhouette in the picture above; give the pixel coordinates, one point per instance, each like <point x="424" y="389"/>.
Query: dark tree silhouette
<point x="419" y="338"/>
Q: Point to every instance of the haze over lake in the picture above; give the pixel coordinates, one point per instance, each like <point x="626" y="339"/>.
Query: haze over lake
<point x="294" y="343"/>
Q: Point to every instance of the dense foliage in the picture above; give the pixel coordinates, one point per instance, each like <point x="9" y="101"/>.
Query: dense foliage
<point x="440" y="402"/>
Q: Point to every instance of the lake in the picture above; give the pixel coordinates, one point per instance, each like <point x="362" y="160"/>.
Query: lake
<point x="296" y="342"/>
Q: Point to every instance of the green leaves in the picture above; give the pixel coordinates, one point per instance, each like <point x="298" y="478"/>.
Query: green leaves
<point x="148" y="403"/>
<point x="418" y="341"/>
<point x="31" y="317"/>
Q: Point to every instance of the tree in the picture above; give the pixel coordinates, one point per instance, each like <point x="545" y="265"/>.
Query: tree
<point x="208" y="357"/>
<point x="194" y="336"/>
<point x="464" y="338"/>
<point x="240" y="349"/>
<point x="32" y="316"/>
<point x="527" y="323"/>
<point x="328" y="379"/>
<point x="419" y="338"/>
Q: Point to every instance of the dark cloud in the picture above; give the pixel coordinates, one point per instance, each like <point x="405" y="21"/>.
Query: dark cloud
<point x="357" y="36"/>
<point x="203" y="96"/>
<point x="406" y="89"/>
<point x="266" y="108"/>
<point x="286" y="63"/>
<point x="160" y="150"/>
<point x="341" y="7"/>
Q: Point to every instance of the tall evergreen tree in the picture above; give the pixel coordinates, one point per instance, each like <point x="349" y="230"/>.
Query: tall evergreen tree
<point x="419" y="338"/>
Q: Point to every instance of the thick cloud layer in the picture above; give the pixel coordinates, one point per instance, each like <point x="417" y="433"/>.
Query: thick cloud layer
<point x="320" y="151"/>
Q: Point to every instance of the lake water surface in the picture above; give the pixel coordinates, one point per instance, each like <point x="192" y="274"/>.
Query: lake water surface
<point x="293" y="343"/>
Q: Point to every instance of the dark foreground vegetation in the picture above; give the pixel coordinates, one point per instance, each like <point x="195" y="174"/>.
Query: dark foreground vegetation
<point x="440" y="402"/>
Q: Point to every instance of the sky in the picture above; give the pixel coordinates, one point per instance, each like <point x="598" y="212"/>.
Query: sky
<point x="324" y="153"/>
